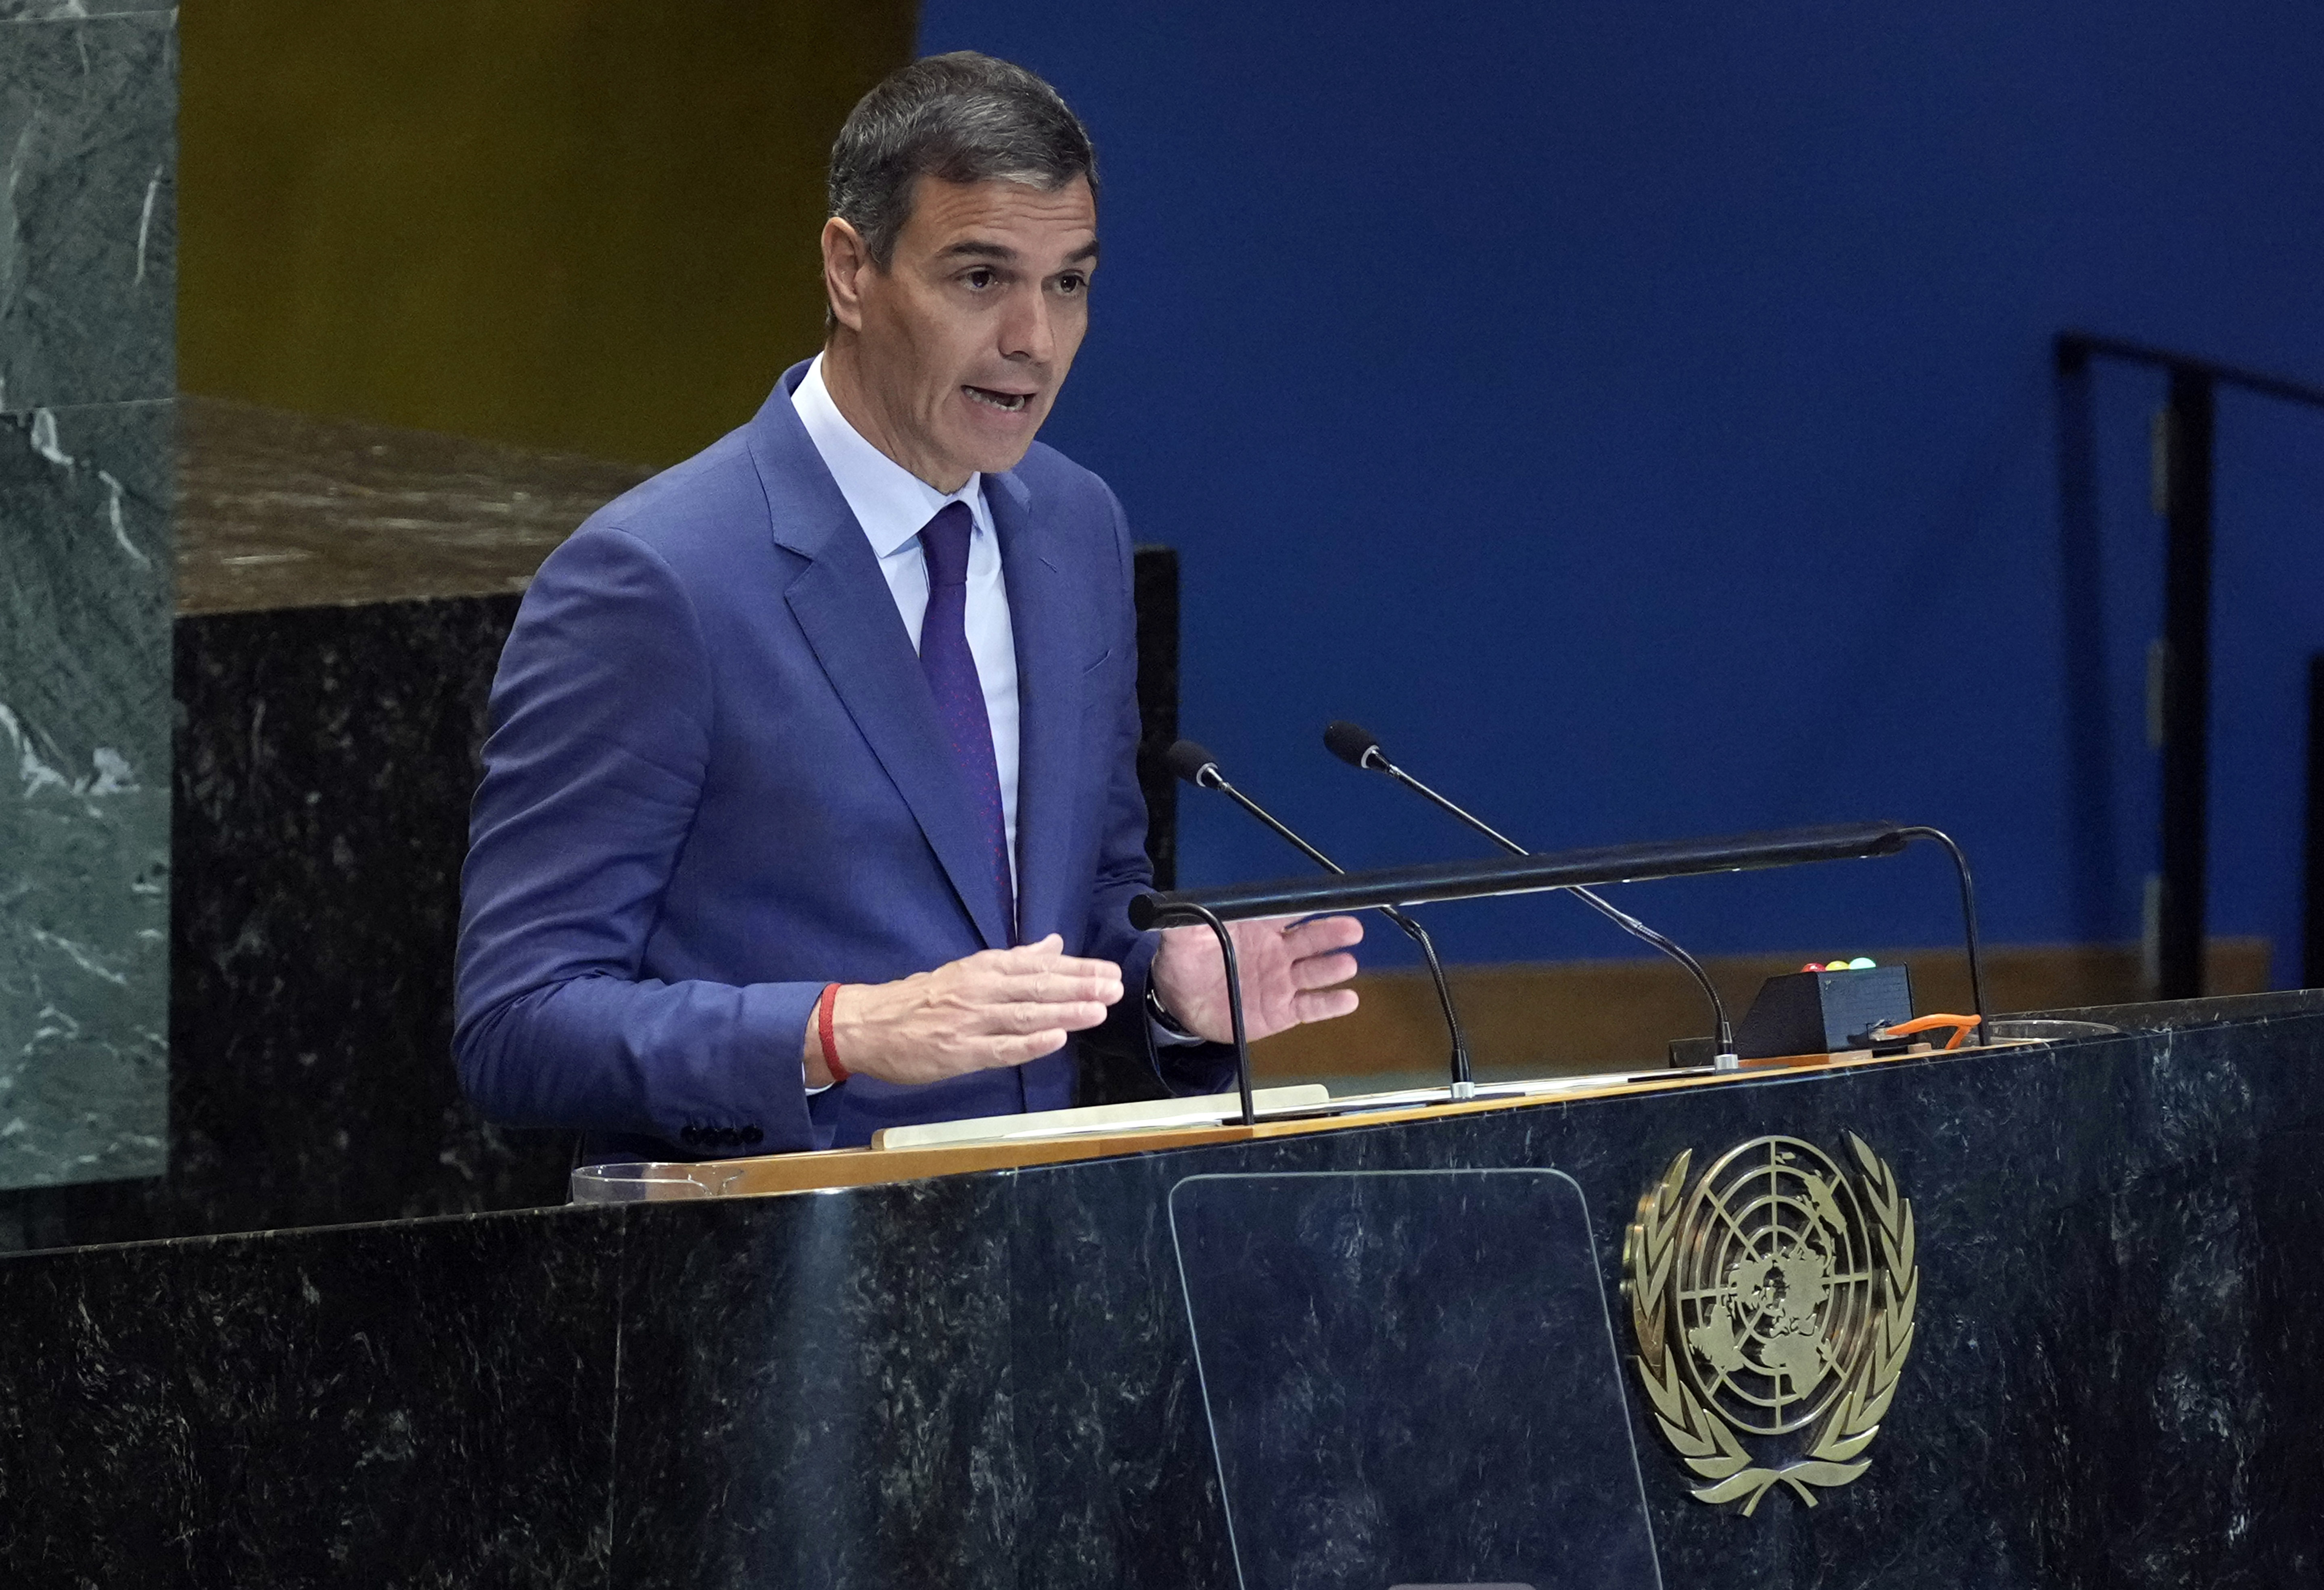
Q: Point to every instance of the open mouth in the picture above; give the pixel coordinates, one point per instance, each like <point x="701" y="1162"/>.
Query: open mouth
<point x="1008" y="402"/>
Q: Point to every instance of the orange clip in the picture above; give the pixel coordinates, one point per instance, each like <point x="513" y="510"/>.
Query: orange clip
<point x="1960" y="1025"/>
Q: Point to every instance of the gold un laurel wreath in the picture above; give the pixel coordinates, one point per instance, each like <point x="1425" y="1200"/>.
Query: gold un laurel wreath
<point x="1773" y="1304"/>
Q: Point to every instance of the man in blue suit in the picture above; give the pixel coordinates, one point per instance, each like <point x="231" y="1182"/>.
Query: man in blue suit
<point x="810" y="805"/>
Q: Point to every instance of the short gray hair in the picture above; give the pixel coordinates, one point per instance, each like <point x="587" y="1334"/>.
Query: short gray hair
<point x="962" y="117"/>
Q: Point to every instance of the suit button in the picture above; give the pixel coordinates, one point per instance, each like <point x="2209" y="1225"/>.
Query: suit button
<point x="753" y="1135"/>
<point x="728" y="1137"/>
<point x="691" y="1135"/>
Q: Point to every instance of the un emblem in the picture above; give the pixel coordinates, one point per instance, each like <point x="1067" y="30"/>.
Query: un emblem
<point x="1773" y="1305"/>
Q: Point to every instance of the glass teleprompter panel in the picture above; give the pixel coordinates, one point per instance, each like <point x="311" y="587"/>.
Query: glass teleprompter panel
<point x="1412" y="1381"/>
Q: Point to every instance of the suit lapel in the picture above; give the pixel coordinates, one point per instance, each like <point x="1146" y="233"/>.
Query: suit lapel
<point x="1043" y="618"/>
<point x="842" y="606"/>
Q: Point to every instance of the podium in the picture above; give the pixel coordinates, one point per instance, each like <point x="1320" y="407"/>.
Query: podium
<point x="984" y="1367"/>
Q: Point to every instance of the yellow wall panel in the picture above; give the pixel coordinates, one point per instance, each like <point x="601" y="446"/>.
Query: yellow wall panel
<point x="582" y="225"/>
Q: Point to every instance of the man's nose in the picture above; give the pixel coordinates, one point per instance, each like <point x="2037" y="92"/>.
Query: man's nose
<point x="1026" y="333"/>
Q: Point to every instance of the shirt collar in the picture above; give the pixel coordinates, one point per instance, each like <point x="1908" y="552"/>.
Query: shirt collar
<point x="889" y="501"/>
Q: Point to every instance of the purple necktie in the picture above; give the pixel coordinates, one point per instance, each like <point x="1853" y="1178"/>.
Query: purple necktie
<point x="951" y="668"/>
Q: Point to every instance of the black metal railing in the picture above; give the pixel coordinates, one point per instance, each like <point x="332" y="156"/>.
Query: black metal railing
<point x="2181" y="683"/>
<point x="2312" y="960"/>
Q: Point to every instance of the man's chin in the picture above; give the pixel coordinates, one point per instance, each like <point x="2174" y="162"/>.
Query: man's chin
<point x="1001" y="463"/>
<point x="992" y="440"/>
<point x="996" y="455"/>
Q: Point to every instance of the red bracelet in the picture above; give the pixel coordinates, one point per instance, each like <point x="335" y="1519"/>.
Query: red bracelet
<point x="822" y="1031"/>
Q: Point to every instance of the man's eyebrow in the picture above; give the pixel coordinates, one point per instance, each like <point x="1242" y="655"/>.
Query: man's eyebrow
<point x="978" y="249"/>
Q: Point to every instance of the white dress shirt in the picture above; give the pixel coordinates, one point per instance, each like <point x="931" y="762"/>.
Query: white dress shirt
<point x="892" y="505"/>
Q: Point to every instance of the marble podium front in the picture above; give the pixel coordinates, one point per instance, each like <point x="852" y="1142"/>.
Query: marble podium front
<point x="986" y="1379"/>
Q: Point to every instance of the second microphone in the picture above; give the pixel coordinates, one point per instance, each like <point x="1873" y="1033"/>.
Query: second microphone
<point x="1189" y="761"/>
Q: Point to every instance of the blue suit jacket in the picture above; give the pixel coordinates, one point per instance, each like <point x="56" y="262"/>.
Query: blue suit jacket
<point x="716" y="782"/>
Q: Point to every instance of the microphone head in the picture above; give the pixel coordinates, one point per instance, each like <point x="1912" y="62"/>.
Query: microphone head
<point x="1188" y="760"/>
<point x="1353" y="745"/>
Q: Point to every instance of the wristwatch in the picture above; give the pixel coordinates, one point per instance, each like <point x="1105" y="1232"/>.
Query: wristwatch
<point x="1159" y="1014"/>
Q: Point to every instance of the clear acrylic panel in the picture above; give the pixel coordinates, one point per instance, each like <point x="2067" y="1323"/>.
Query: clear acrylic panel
<point x="651" y="1182"/>
<point x="1411" y="1380"/>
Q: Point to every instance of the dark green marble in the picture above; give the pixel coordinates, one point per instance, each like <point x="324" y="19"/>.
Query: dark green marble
<point x="84" y="793"/>
<point x="89" y="219"/>
<point x="70" y="10"/>
<point x="87" y="317"/>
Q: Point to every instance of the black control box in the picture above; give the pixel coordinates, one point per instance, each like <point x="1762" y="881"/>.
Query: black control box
<point x="1823" y="1013"/>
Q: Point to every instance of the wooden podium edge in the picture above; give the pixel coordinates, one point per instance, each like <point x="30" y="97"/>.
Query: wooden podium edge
<point x="831" y="1169"/>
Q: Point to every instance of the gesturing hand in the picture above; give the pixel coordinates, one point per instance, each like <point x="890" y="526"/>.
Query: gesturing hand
<point x="999" y="1007"/>
<point x="1290" y="972"/>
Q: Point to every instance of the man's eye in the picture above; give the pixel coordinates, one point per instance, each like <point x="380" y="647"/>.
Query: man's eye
<point x="1070" y="285"/>
<point x="979" y="279"/>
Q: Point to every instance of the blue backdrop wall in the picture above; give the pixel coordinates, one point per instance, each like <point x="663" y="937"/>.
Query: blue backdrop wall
<point x="1642" y="418"/>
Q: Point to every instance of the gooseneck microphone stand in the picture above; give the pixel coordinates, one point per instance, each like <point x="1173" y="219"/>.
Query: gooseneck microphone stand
<point x="1358" y="749"/>
<point x="1190" y="761"/>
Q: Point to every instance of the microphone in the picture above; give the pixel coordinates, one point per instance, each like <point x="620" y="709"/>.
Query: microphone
<point x="1359" y="749"/>
<point x="1189" y="761"/>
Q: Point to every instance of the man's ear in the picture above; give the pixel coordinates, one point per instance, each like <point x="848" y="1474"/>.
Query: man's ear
<point x="844" y="261"/>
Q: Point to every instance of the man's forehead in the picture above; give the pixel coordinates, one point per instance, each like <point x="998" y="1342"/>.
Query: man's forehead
<point x="999" y="218"/>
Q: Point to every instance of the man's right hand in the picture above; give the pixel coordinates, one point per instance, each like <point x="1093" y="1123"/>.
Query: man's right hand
<point x="999" y="1007"/>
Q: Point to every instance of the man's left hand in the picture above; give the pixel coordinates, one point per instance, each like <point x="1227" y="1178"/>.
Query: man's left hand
<point x="1290" y="969"/>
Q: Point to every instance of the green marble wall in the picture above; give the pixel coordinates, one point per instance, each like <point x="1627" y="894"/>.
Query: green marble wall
<point x="87" y="317"/>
